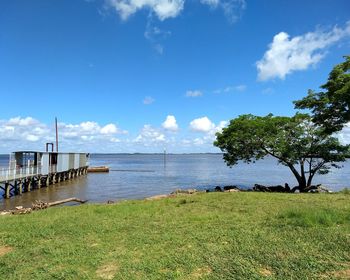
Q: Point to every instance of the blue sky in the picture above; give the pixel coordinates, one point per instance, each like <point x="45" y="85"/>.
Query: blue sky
<point x="144" y="75"/>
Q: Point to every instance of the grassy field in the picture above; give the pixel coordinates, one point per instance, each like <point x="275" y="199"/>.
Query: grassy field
<point x="203" y="236"/>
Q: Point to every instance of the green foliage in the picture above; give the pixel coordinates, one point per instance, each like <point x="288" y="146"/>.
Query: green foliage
<point x="295" y="141"/>
<point x="331" y="107"/>
<point x="244" y="235"/>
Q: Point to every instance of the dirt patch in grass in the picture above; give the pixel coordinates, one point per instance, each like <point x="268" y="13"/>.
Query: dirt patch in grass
<point x="107" y="271"/>
<point x="200" y="272"/>
<point x="4" y="250"/>
<point x="342" y="274"/>
<point x="265" y="272"/>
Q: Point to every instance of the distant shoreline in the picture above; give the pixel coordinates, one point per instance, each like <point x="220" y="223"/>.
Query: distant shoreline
<point x="104" y="154"/>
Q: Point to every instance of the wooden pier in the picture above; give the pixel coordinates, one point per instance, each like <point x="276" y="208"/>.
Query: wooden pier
<point x="18" y="181"/>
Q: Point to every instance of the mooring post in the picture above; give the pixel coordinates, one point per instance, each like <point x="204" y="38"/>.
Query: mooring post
<point x="29" y="184"/>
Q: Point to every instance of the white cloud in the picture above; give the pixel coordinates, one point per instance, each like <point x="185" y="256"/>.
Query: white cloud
<point x="211" y="3"/>
<point x="199" y="141"/>
<point x="228" y="89"/>
<point x="87" y="137"/>
<point x="202" y="124"/>
<point x="170" y="123"/>
<point x="20" y="129"/>
<point x="90" y="127"/>
<point x="149" y="136"/>
<point x="156" y="36"/>
<point x="162" y="8"/>
<point x="31" y="134"/>
<point x="165" y="9"/>
<point x="344" y="134"/>
<point x="115" y="140"/>
<point x="233" y="9"/>
<point x="22" y="121"/>
<point x="286" y="55"/>
<point x="148" y="100"/>
<point x="241" y="87"/>
<point x="109" y="129"/>
<point x="32" y="138"/>
<point x="193" y="93"/>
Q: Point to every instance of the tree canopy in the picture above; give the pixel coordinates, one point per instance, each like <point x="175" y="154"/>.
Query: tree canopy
<point x="295" y="142"/>
<point x="331" y="107"/>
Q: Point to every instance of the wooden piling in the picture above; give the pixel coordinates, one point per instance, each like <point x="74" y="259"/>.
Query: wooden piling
<point x="7" y="190"/>
<point x="27" y="183"/>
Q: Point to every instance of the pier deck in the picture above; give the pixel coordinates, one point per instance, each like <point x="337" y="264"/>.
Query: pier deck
<point x="19" y="180"/>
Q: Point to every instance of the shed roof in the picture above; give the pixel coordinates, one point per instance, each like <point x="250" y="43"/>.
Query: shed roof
<point x="32" y="152"/>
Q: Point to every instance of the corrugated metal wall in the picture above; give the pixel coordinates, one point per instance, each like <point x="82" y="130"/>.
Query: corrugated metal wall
<point x="45" y="164"/>
<point x="65" y="162"/>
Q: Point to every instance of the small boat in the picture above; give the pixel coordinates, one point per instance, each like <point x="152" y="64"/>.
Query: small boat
<point x="95" y="169"/>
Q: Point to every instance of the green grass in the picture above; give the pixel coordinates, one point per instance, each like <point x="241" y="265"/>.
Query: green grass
<point x="203" y="236"/>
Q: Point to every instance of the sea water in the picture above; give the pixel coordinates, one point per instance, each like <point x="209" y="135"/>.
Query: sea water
<point x="136" y="176"/>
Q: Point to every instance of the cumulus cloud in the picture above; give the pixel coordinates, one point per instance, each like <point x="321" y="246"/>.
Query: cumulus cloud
<point x="286" y="55"/>
<point x="32" y="138"/>
<point x="165" y="9"/>
<point x="148" y="100"/>
<point x="206" y="125"/>
<point x="20" y="129"/>
<point x="208" y="128"/>
<point x="170" y="123"/>
<point x="18" y="121"/>
<point x="109" y="129"/>
<point x="162" y="8"/>
<point x="149" y="136"/>
<point x="202" y="125"/>
<point x="88" y="130"/>
<point x="31" y="134"/>
<point x="193" y="93"/>
<point x="115" y="140"/>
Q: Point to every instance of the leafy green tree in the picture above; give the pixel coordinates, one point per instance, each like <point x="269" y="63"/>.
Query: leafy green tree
<point x="295" y="142"/>
<point x="331" y="107"/>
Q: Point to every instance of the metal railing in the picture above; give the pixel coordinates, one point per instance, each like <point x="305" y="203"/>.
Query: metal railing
<point x="8" y="174"/>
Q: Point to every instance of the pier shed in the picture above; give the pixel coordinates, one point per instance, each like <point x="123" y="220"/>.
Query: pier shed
<point x="48" y="162"/>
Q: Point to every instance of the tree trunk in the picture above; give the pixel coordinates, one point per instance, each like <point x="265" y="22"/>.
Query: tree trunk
<point x="301" y="179"/>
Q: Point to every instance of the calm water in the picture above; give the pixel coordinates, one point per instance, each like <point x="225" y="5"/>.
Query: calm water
<point x="142" y="175"/>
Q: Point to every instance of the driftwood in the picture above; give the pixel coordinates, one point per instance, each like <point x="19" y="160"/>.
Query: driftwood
<point x="39" y="205"/>
<point x="42" y="205"/>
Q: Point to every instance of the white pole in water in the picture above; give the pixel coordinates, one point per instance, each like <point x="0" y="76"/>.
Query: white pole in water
<point x="164" y="156"/>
